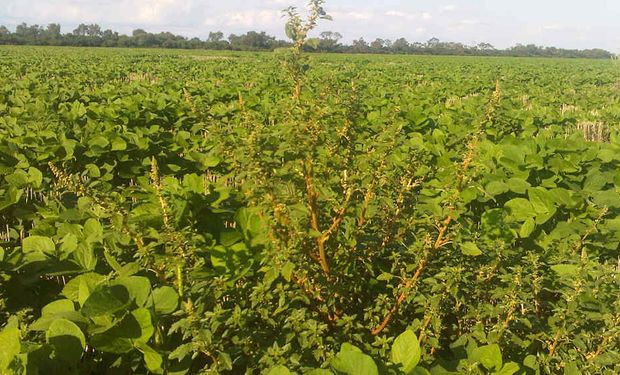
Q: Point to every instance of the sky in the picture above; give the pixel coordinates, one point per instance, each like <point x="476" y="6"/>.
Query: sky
<point x="503" y="23"/>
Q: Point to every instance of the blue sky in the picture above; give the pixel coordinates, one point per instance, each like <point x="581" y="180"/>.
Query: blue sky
<point x="567" y="23"/>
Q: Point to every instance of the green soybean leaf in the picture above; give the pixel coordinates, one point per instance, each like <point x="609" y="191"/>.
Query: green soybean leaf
<point x="420" y="371"/>
<point x="10" y="346"/>
<point x="106" y="300"/>
<point x="152" y="359"/>
<point x="129" y="269"/>
<point x="351" y="361"/>
<point x="531" y="362"/>
<point x="165" y="300"/>
<point x="509" y="368"/>
<point x="606" y="198"/>
<point x="89" y="282"/>
<point x="518" y="185"/>
<point x="11" y="196"/>
<point x="38" y="244"/>
<point x="490" y="356"/>
<point x="143" y="317"/>
<point x="19" y="178"/>
<point x="67" y="339"/>
<point x="560" y="196"/>
<point x="92" y="170"/>
<point x="496" y="188"/>
<point x="540" y="199"/>
<point x="194" y="183"/>
<point x="84" y="291"/>
<point x="60" y="306"/>
<point x="178" y="367"/>
<point x="69" y="245"/>
<point x="99" y="141"/>
<point x="543" y="204"/>
<point x="139" y="288"/>
<point x="119" y="144"/>
<point x="93" y="231"/>
<point x="520" y="209"/>
<point x="595" y="181"/>
<point x="85" y="256"/>
<point x="406" y="351"/>
<point x="134" y="328"/>
<point x="279" y="370"/>
<point x="319" y="371"/>
<point x="527" y="228"/>
<point x="346" y="347"/>
<point x="35" y="177"/>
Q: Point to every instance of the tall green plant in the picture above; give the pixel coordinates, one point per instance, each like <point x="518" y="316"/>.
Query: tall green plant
<point x="297" y="29"/>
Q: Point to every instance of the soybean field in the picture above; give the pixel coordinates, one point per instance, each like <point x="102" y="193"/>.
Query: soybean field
<point x="196" y="212"/>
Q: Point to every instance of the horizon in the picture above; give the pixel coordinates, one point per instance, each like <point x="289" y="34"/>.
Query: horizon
<point x="569" y="24"/>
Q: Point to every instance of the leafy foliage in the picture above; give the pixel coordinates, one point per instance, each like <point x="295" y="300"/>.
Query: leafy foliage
<point x="167" y="214"/>
<point x="92" y="35"/>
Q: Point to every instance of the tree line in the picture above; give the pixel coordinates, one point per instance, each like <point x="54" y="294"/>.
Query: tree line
<point x="92" y="35"/>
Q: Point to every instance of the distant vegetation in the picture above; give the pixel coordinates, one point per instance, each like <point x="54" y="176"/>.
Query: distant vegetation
<point x="94" y="36"/>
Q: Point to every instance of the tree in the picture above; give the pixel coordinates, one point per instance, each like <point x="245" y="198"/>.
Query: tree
<point x="359" y="46"/>
<point x="5" y="35"/>
<point x="139" y="38"/>
<point x="330" y="35"/>
<point x="400" y="45"/>
<point x="216" y="41"/>
<point x="109" y="38"/>
<point x="94" y="31"/>
<point x="195" y="43"/>
<point x="25" y="34"/>
<point x="53" y="30"/>
<point x="138" y="32"/>
<point x="485" y="46"/>
<point x="52" y="34"/>
<point x="215" y="37"/>
<point x="86" y="35"/>
<point x="81" y="30"/>
<point x="377" y="45"/>
<point x="252" y="40"/>
<point x="432" y="42"/>
<point x="329" y="41"/>
<point x="297" y="29"/>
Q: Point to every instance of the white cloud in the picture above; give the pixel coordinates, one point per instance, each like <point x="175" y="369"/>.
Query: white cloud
<point x="469" y="22"/>
<point x="396" y="13"/>
<point x="253" y="18"/>
<point x="448" y="8"/>
<point x="409" y="16"/>
<point x="350" y="15"/>
<point x="210" y="21"/>
<point x="565" y="28"/>
<point x="155" y="11"/>
<point x="136" y="12"/>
